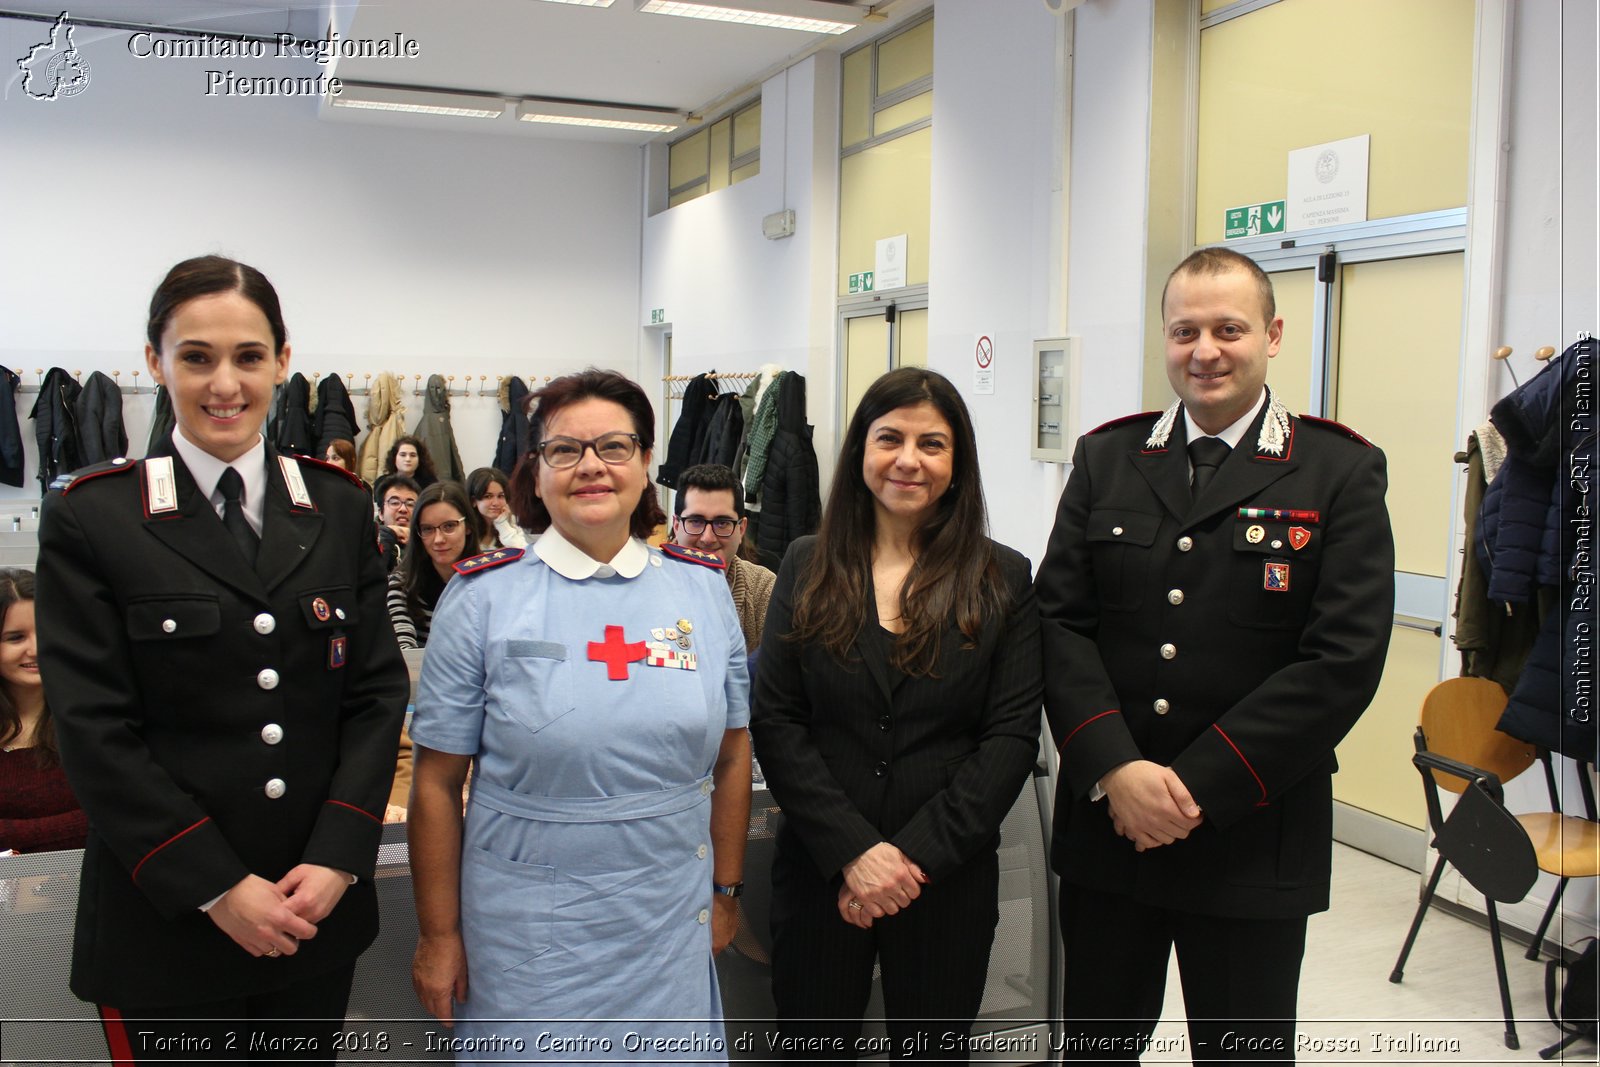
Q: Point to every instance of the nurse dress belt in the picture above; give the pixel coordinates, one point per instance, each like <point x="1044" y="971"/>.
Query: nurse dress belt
<point x="590" y="809"/>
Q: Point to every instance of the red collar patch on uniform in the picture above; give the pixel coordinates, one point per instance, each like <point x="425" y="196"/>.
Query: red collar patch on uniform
<point x="487" y="560"/>
<point x="676" y="551"/>
<point x="1337" y="427"/>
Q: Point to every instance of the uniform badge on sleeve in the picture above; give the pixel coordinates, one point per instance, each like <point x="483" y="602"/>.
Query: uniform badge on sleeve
<point x="1276" y="578"/>
<point x="1299" y="537"/>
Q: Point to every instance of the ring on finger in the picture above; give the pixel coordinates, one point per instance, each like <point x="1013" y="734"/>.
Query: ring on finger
<point x="271" y="953"/>
<point x="855" y="905"/>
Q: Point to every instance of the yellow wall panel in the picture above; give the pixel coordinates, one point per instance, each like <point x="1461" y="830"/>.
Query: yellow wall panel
<point x="721" y="140"/>
<point x="1302" y="72"/>
<point x="866" y="358"/>
<point x="747" y="131"/>
<point x="883" y="192"/>
<point x="912" y="327"/>
<point x="905" y="57"/>
<point x="1289" y="373"/>
<point x="749" y="170"/>
<point x="1399" y="353"/>
<point x="687" y="160"/>
<point x="687" y="195"/>
<point x="904" y="113"/>
<point x="1375" y="772"/>
<point x="855" y="97"/>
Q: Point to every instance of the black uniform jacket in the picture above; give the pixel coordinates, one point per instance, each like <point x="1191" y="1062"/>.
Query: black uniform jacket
<point x="1237" y="649"/>
<point x="857" y="753"/>
<point x="187" y="689"/>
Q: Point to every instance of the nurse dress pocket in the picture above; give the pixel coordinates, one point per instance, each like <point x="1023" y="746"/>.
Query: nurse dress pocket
<point x="507" y="922"/>
<point x="538" y="675"/>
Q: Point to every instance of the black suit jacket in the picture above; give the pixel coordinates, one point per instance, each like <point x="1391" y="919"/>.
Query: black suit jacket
<point x="1237" y="649"/>
<point x="857" y="753"/>
<point x="154" y="634"/>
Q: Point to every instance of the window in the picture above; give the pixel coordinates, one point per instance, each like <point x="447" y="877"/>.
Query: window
<point x="716" y="156"/>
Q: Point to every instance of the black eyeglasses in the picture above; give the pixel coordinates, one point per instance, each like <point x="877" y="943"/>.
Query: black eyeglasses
<point x="696" y="526"/>
<point x="398" y="502"/>
<point x="613" y="448"/>
<point x="446" y="528"/>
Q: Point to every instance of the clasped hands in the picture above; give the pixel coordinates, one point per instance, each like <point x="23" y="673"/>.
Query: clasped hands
<point x="272" y="918"/>
<point x="882" y="881"/>
<point x="1149" y="804"/>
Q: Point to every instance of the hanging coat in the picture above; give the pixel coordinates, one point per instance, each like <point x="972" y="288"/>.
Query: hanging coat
<point x="161" y="421"/>
<point x="99" y="413"/>
<point x="791" y="500"/>
<point x="55" y="425"/>
<point x="290" y="431"/>
<point x="688" y="430"/>
<point x="12" y="457"/>
<point x="386" y="414"/>
<point x="513" y="443"/>
<point x="434" y="430"/>
<point x="336" y="417"/>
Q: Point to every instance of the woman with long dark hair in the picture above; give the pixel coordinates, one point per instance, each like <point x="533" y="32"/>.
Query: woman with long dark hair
<point x="598" y="688"/>
<point x="38" y="812"/>
<point x="896" y="716"/>
<point x="410" y="457"/>
<point x="227" y="695"/>
<point x="445" y="529"/>
<point x="487" y="486"/>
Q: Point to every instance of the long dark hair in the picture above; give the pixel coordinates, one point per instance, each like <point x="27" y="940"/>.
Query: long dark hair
<point x="203" y="276"/>
<point x="17" y="584"/>
<point x="422" y="583"/>
<point x="425" y="475"/>
<point x="954" y="576"/>
<point x="543" y="406"/>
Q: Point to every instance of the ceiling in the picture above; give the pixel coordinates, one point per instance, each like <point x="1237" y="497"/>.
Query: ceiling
<point x="517" y="48"/>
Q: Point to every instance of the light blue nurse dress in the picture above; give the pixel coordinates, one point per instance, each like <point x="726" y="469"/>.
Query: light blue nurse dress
<point x="594" y="708"/>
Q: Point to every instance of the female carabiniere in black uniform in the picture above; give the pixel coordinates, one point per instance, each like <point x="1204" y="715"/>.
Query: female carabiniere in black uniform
<point x="228" y="696"/>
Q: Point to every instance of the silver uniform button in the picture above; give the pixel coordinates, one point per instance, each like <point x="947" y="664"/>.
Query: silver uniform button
<point x="1185" y="544"/>
<point x="1175" y="596"/>
<point x="700" y="853"/>
<point x="169" y="625"/>
<point x="1277" y="544"/>
<point x="272" y="733"/>
<point x="1116" y="531"/>
<point x="1169" y="651"/>
<point x="705" y="789"/>
<point x="265" y="623"/>
<point x="1162" y="707"/>
<point x="338" y="613"/>
<point x="267" y="679"/>
<point x="703" y="918"/>
<point x="275" y="788"/>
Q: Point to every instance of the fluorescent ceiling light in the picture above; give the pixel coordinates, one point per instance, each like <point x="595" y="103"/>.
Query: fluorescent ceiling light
<point x="564" y="113"/>
<point x="586" y="3"/>
<point x="819" y="17"/>
<point x="418" y="101"/>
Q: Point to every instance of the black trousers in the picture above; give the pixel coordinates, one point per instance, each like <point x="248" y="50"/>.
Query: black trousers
<point x="298" y="1024"/>
<point x="1240" y="980"/>
<point x="933" y="956"/>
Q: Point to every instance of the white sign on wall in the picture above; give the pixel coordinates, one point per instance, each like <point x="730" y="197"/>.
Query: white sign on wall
<point x="983" y="365"/>
<point x="889" y="267"/>
<point x="1328" y="183"/>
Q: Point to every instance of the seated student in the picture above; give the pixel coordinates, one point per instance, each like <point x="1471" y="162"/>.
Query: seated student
<point x="486" y="486"/>
<point x="396" y="495"/>
<point x="709" y="515"/>
<point x="409" y="456"/>
<point x="342" y="453"/>
<point x="38" y="812"/>
<point x="444" y="530"/>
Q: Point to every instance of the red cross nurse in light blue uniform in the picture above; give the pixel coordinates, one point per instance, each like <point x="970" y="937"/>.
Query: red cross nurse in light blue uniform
<point x="600" y="688"/>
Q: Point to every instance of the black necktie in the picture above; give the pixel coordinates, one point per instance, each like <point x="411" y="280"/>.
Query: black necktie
<point x="230" y="485"/>
<point x="1206" y="454"/>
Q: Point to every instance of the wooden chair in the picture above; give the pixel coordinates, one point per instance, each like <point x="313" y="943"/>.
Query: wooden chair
<point x="1500" y="854"/>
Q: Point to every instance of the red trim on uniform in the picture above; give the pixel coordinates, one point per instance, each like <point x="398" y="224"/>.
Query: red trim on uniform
<point x="325" y="465"/>
<point x="117" y="1042"/>
<point x="1086" y="722"/>
<point x="79" y="479"/>
<point x="164" y="844"/>
<point x="1123" y="419"/>
<point x="1263" y="786"/>
<point x="1340" y="427"/>
<point x="352" y="807"/>
<point x="673" y="550"/>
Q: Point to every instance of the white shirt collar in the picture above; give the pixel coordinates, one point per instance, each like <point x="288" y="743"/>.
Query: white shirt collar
<point x="1234" y="433"/>
<point x="570" y="561"/>
<point x="206" y="469"/>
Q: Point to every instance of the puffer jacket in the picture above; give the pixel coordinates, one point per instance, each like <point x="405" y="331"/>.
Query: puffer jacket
<point x="791" y="500"/>
<point x="336" y="416"/>
<point x="386" y="414"/>
<point x="513" y="441"/>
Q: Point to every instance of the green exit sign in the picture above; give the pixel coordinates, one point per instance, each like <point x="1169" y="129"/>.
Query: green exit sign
<point x="861" y="283"/>
<point x="658" y="316"/>
<point x="1253" y="220"/>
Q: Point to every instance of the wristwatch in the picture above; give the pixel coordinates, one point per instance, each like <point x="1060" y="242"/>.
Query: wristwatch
<point x="734" y="890"/>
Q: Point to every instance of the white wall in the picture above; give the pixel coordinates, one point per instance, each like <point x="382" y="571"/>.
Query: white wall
<point x="395" y="249"/>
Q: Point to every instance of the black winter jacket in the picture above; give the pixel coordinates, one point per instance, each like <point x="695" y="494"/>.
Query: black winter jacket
<point x="791" y="500"/>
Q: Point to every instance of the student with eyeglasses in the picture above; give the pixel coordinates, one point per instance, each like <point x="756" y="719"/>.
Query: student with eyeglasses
<point x="445" y="529"/>
<point x="709" y="515"/>
<point x="598" y="688"/>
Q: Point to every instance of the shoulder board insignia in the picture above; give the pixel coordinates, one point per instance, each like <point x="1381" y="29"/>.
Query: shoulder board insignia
<point x="295" y="482"/>
<point x="67" y="482"/>
<point x="1337" y="427"/>
<point x="1124" y="420"/>
<point x="487" y="561"/>
<point x="693" y="555"/>
<point x="322" y="464"/>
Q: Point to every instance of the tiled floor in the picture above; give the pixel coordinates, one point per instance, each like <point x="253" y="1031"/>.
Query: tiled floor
<point x="1445" y="1012"/>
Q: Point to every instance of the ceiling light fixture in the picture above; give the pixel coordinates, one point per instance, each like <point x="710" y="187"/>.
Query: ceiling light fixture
<point x="419" y="101"/>
<point x="588" y="3"/>
<point x="810" y="16"/>
<point x="567" y="113"/>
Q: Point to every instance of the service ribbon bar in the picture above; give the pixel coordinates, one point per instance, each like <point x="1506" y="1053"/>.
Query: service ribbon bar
<point x="1280" y="515"/>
